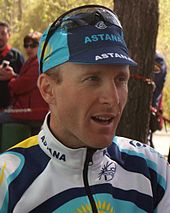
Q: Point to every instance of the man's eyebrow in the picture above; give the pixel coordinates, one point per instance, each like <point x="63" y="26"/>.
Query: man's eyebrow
<point x="92" y="71"/>
<point x="123" y="71"/>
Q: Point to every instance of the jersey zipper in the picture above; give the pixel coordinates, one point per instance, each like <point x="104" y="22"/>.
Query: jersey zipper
<point x="89" y="155"/>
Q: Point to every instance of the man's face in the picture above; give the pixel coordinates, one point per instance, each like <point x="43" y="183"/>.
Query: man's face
<point x="4" y="37"/>
<point x="88" y="104"/>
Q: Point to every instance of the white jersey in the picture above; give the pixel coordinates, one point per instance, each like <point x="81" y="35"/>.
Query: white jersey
<point x="42" y="175"/>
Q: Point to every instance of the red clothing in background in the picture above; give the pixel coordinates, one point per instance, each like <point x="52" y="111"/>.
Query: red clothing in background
<point x="16" y="60"/>
<point x="25" y="93"/>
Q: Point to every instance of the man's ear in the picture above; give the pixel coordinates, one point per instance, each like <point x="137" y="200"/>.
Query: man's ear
<point x="46" y="88"/>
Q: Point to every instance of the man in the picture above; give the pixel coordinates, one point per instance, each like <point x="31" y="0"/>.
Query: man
<point x="14" y="60"/>
<point x="76" y="164"/>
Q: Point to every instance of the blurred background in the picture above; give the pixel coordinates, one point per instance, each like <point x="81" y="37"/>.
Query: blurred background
<point x="28" y="15"/>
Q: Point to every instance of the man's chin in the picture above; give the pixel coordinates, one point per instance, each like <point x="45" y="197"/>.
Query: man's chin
<point x="101" y="144"/>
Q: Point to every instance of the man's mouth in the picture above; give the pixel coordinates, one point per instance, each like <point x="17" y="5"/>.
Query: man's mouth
<point x="103" y="119"/>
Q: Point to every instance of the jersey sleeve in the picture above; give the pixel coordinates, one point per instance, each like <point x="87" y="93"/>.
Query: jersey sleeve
<point x="11" y="165"/>
<point x="164" y="204"/>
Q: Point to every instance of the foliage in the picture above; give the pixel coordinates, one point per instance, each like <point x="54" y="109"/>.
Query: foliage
<point x="163" y="45"/>
<point x="37" y="15"/>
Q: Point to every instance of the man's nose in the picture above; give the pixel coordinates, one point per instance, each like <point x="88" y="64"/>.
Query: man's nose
<point x="109" y="94"/>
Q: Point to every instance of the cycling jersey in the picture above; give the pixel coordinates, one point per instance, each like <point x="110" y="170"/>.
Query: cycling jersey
<point x="40" y="174"/>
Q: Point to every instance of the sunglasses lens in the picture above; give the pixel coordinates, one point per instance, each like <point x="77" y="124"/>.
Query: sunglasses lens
<point x="88" y="16"/>
<point x="30" y="45"/>
<point x="25" y="46"/>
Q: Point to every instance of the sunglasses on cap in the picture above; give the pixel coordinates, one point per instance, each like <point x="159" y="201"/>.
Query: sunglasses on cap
<point x="30" y="46"/>
<point x="80" y="16"/>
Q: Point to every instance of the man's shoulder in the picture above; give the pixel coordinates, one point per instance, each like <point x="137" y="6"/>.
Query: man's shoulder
<point x="136" y="154"/>
<point x="16" y="59"/>
<point x="23" y="155"/>
<point x="13" y="160"/>
<point x="20" y="147"/>
<point x="27" y="143"/>
<point x="19" y="166"/>
<point x="15" y="51"/>
<point x="134" y="147"/>
<point x="136" y="157"/>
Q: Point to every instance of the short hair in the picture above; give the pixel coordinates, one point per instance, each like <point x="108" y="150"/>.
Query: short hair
<point x="33" y="37"/>
<point x="5" y="24"/>
<point x="56" y="74"/>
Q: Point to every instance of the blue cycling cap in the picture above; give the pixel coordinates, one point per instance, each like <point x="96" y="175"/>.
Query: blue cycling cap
<point x="90" y="34"/>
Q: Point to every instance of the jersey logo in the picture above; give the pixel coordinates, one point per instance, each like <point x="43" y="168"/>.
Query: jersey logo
<point x="108" y="171"/>
<point x="53" y="153"/>
<point x="101" y="25"/>
<point x="56" y="154"/>
<point x="103" y="207"/>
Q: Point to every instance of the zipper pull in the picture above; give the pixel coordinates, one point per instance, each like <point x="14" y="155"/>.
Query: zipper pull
<point x="89" y="155"/>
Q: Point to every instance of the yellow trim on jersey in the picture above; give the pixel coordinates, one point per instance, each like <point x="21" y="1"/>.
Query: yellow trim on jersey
<point x="29" y="142"/>
<point x="2" y="173"/>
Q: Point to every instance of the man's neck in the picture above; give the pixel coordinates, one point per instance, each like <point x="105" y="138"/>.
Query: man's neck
<point x="4" y="50"/>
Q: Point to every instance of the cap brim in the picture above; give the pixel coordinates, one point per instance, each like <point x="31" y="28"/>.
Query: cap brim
<point x="103" y="55"/>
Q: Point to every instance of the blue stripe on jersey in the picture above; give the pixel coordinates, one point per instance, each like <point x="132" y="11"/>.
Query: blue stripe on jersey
<point x="152" y="165"/>
<point x="131" y="199"/>
<point x="158" y="191"/>
<point x="29" y="172"/>
<point x="137" y="162"/>
<point x="141" y="200"/>
<point x="128" y="162"/>
<point x="11" y="177"/>
<point x="59" y="199"/>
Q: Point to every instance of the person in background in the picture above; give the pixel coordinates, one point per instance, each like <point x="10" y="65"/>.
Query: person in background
<point x="159" y="78"/>
<point x="27" y="104"/>
<point x="76" y="163"/>
<point x="160" y="74"/>
<point x="11" y="61"/>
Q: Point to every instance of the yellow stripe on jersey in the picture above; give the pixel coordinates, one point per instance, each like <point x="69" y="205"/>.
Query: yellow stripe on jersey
<point x="2" y="173"/>
<point x="29" y="142"/>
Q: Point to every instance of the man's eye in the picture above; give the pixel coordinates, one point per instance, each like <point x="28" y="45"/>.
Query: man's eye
<point x="123" y="78"/>
<point x="92" y="78"/>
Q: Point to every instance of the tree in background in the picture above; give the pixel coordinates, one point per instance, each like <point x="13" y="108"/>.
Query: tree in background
<point x="140" y="22"/>
<point x="138" y="19"/>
